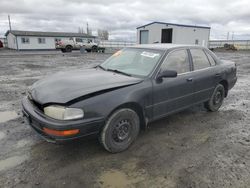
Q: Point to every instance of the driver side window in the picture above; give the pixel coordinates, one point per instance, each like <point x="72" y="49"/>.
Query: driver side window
<point x="178" y="61"/>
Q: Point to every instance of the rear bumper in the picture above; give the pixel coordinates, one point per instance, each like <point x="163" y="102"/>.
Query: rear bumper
<point x="37" y="120"/>
<point x="60" y="47"/>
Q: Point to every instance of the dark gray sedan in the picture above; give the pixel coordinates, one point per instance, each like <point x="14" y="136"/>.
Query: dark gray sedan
<point x="132" y="88"/>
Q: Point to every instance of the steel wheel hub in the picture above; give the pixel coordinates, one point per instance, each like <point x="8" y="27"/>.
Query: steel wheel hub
<point x="217" y="97"/>
<point x="121" y="131"/>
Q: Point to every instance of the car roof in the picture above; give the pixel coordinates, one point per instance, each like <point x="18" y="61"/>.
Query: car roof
<point x="165" y="46"/>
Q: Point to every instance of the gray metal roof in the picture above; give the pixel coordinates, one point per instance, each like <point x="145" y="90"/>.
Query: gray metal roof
<point x="160" y="46"/>
<point x="47" y="34"/>
<point x="181" y="25"/>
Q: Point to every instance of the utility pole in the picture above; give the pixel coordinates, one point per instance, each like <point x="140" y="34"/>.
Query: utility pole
<point x="9" y="22"/>
<point x="87" y="28"/>
<point x="227" y="35"/>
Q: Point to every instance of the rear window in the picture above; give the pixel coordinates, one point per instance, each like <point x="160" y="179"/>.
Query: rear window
<point x="211" y="59"/>
<point x="200" y="60"/>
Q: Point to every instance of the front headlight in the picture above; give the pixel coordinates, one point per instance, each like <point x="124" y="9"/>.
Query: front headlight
<point x="63" y="113"/>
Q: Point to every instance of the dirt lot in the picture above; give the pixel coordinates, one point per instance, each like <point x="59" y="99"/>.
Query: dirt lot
<point x="193" y="148"/>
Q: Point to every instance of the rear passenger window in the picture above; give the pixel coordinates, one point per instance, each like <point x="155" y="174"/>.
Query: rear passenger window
<point x="211" y="59"/>
<point x="78" y="40"/>
<point x="200" y="59"/>
<point x="178" y="61"/>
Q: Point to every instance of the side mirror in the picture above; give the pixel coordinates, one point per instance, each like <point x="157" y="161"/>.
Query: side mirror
<point x="167" y="74"/>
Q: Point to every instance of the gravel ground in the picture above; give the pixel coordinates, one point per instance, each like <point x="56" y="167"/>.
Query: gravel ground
<point x="193" y="148"/>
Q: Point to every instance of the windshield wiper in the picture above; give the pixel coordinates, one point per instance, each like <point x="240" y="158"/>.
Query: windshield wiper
<point x="101" y="67"/>
<point x="117" y="71"/>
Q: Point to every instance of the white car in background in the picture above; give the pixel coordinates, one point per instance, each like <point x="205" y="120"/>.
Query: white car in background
<point x="75" y="43"/>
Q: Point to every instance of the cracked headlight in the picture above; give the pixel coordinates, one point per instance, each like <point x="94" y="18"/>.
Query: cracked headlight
<point x="63" y="113"/>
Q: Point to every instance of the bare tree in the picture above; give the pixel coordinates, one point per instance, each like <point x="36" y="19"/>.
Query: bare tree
<point x="89" y="30"/>
<point x="81" y="30"/>
<point x="103" y="34"/>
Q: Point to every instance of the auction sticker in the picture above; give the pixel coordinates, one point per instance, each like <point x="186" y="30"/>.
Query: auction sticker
<point x="149" y="54"/>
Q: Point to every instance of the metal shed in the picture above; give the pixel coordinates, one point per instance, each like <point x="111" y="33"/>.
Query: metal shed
<point x="162" y="32"/>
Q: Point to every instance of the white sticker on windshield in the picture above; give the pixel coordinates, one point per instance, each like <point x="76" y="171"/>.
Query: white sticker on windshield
<point x="149" y="54"/>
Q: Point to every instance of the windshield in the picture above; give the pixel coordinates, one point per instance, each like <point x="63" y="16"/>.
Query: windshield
<point x="133" y="61"/>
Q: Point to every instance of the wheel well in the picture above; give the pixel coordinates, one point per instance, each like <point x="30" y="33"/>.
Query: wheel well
<point x="225" y="85"/>
<point x="69" y="46"/>
<point x="137" y="108"/>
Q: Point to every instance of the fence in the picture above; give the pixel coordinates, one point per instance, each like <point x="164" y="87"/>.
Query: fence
<point x="115" y="44"/>
<point x="239" y="44"/>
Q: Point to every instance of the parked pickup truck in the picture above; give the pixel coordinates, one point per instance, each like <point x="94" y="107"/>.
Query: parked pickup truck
<point x="76" y="43"/>
<point x="134" y="87"/>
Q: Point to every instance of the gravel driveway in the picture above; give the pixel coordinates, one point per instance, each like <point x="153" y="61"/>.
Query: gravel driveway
<point x="193" y="148"/>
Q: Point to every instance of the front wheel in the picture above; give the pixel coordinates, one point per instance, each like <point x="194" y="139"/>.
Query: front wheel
<point x="120" y="130"/>
<point x="216" y="100"/>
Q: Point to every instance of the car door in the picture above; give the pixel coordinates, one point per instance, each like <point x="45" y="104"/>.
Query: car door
<point x="79" y="42"/>
<point x="203" y="75"/>
<point x="173" y="94"/>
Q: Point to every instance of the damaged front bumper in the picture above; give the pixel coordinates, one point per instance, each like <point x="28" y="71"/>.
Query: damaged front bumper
<point x="40" y="122"/>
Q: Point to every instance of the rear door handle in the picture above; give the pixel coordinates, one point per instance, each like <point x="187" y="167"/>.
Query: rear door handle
<point x="189" y="79"/>
<point x="217" y="75"/>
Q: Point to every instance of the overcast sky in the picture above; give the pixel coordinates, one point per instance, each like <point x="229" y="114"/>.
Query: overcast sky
<point x="121" y="17"/>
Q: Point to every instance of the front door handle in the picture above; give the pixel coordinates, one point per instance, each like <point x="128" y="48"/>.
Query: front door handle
<point x="217" y="75"/>
<point x="189" y="79"/>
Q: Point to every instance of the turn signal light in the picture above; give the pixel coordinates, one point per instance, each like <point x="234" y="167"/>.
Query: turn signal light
<point x="61" y="133"/>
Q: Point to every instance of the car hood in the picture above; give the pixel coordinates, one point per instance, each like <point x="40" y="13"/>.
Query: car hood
<point x="66" y="86"/>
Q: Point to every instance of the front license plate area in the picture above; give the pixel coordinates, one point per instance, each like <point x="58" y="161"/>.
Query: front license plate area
<point x="26" y="118"/>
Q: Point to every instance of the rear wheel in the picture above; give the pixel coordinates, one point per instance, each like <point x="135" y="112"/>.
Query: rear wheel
<point x="120" y="130"/>
<point x="94" y="48"/>
<point x="216" y="99"/>
<point x="68" y="48"/>
<point x="63" y="50"/>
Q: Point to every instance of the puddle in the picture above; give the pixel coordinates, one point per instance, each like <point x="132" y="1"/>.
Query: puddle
<point x="11" y="162"/>
<point x="7" y="115"/>
<point x="201" y="138"/>
<point x="114" y="178"/>
<point x="2" y="135"/>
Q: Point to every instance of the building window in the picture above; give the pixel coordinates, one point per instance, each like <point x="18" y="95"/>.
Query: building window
<point x="196" y="41"/>
<point x="25" y="40"/>
<point x="41" y="40"/>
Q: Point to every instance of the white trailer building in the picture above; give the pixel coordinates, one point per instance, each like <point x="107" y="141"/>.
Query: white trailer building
<point x="161" y="32"/>
<point x="36" y="40"/>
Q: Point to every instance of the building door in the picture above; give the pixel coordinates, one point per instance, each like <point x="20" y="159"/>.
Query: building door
<point x="166" y="35"/>
<point x="144" y="37"/>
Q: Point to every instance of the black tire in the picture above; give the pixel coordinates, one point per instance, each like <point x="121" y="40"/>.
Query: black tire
<point x="63" y="50"/>
<point x="120" y="130"/>
<point x="68" y="48"/>
<point x="216" y="100"/>
<point x="94" y="48"/>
